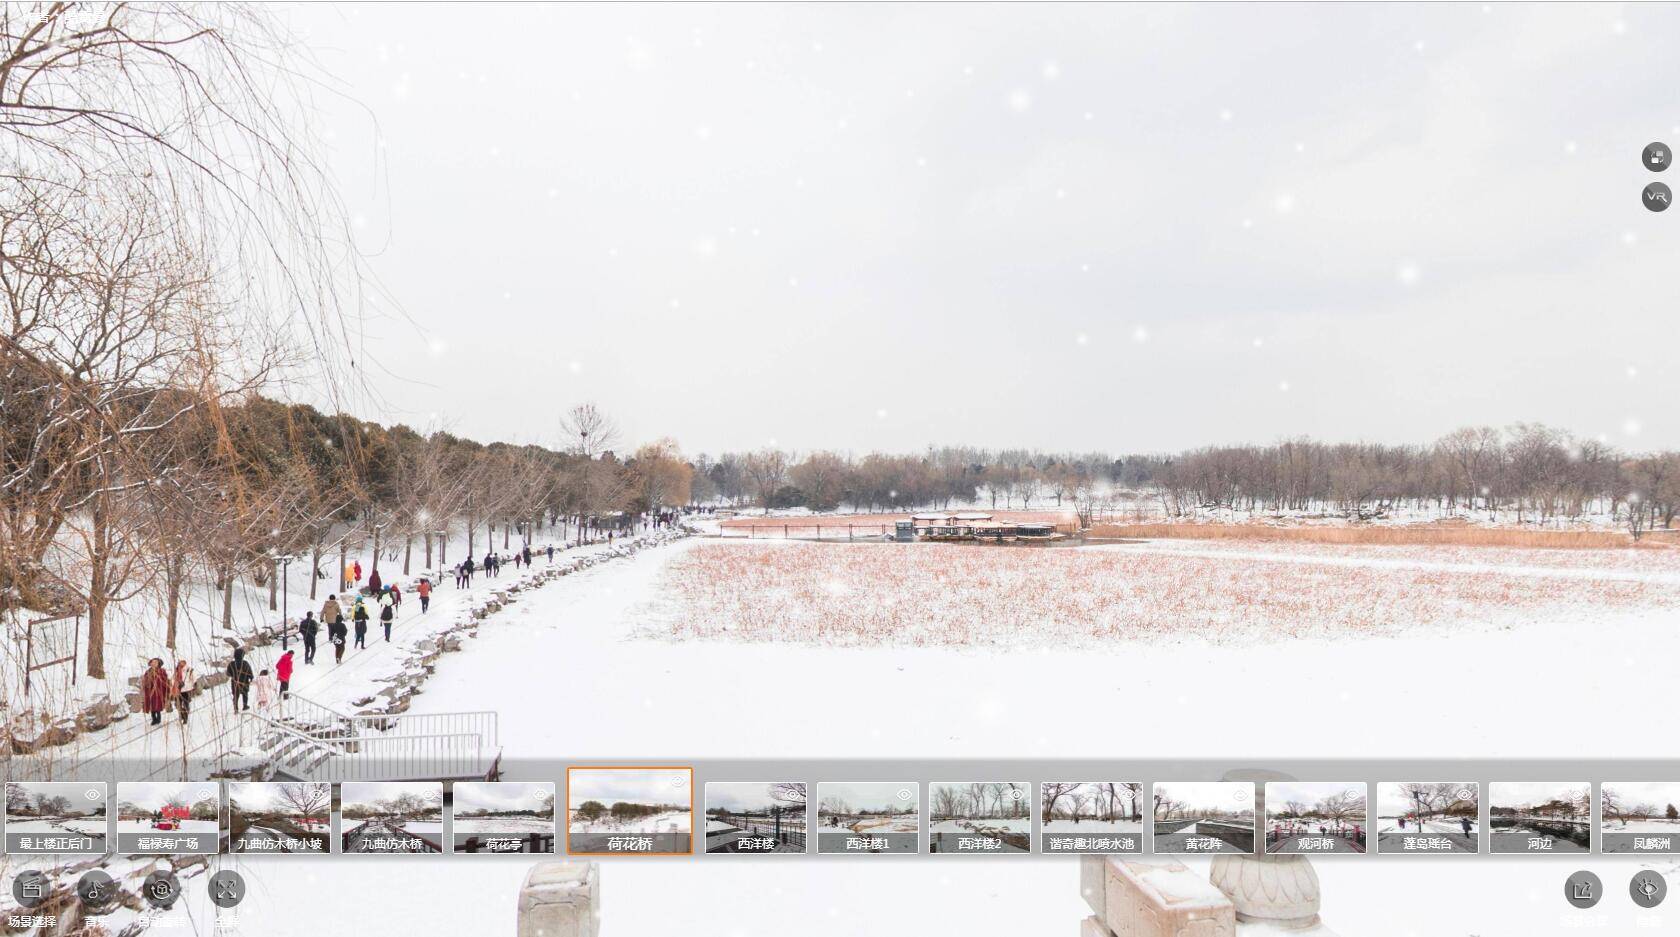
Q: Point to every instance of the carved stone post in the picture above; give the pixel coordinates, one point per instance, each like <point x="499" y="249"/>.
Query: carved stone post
<point x="560" y="899"/>
<point x="1279" y="890"/>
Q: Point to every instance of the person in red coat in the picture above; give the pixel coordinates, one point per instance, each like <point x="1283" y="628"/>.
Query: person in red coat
<point x="154" y="689"/>
<point x="283" y="670"/>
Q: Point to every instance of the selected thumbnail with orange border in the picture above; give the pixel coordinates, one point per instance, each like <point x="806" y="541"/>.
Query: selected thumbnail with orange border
<point x="630" y="810"/>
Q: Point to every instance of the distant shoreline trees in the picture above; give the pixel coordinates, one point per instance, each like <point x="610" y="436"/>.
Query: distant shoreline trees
<point x="1530" y="472"/>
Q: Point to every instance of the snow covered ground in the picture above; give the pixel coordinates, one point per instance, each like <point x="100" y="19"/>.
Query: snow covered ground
<point x="74" y="827"/>
<point x="187" y="826"/>
<point x="1011" y="825"/>
<point x="1089" y="827"/>
<point x="1649" y="827"/>
<point x="593" y="626"/>
<point x="590" y="628"/>
<point x="902" y="823"/>
<point x="596" y="624"/>
<point x="670" y="822"/>
<point x="503" y="825"/>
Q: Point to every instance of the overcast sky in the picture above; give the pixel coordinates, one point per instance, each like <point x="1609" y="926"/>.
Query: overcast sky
<point x="153" y="795"/>
<point x="1133" y="228"/>
<point x="740" y="795"/>
<point x="1307" y="793"/>
<point x="903" y="796"/>
<point x="1392" y="799"/>
<point x="1661" y="793"/>
<point x="258" y="796"/>
<point x="1532" y="793"/>
<point x="501" y="795"/>
<point x="369" y="793"/>
<point x="653" y="786"/>
<point x="1227" y="796"/>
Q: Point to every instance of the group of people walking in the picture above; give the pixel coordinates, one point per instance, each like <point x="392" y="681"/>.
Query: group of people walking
<point x="491" y="566"/>
<point x="271" y="688"/>
<point x="161" y="689"/>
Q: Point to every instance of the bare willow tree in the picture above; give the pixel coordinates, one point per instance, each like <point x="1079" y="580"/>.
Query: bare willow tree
<point x="154" y="161"/>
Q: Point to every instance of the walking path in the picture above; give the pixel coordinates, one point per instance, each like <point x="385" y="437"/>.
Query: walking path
<point x="133" y="749"/>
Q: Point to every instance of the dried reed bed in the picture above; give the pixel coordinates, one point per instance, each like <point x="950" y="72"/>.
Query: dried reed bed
<point x="1369" y="535"/>
<point x="936" y="595"/>
<point x="1613" y="562"/>
<point x="805" y="521"/>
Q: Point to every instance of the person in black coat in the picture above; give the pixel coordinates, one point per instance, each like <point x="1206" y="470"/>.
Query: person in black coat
<point x="361" y="617"/>
<point x="308" y="629"/>
<point x="385" y="615"/>
<point x="339" y="636"/>
<point x="240" y="676"/>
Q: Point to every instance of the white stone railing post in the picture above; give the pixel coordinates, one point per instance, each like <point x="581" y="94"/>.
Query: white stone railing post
<point x="1157" y="896"/>
<point x="560" y="899"/>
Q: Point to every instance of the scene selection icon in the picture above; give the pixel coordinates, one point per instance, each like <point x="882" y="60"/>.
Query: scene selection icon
<point x="169" y="818"/>
<point x="1429" y="817"/>
<point x="1092" y="816"/>
<point x="630" y="811"/>
<point x="1656" y="157"/>
<point x="1316" y="817"/>
<point x="391" y="817"/>
<point x="756" y="816"/>
<point x="1201" y="817"/>
<point x="275" y="817"/>
<point x="1539" y="817"/>
<point x="503" y="817"/>
<point x="1639" y="817"/>
<point x="981" y="817"/>
<point x="56" y="817"/>
<point x="867" y="817"/>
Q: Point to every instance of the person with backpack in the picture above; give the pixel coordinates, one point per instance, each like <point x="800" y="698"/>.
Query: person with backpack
<point x="424" y="590"/>
<point x="239" y="679"/>
<point x="386" y="614"/>
<point x="360" y="615"/>
<point x="339" y="636"/>
<point x="309" y="628"/>
<point x="154" y="689"/>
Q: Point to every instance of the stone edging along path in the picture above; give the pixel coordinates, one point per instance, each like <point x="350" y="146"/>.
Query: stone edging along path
<point x="28" y="733"/>
<point x="421" y="663"/>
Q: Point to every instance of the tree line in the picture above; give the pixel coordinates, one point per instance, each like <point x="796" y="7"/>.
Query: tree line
<point x="1528" y="472"/>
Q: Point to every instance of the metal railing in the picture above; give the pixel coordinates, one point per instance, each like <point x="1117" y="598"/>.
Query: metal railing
<point x="318" y="743"/>
<point x="787" y="829"/>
